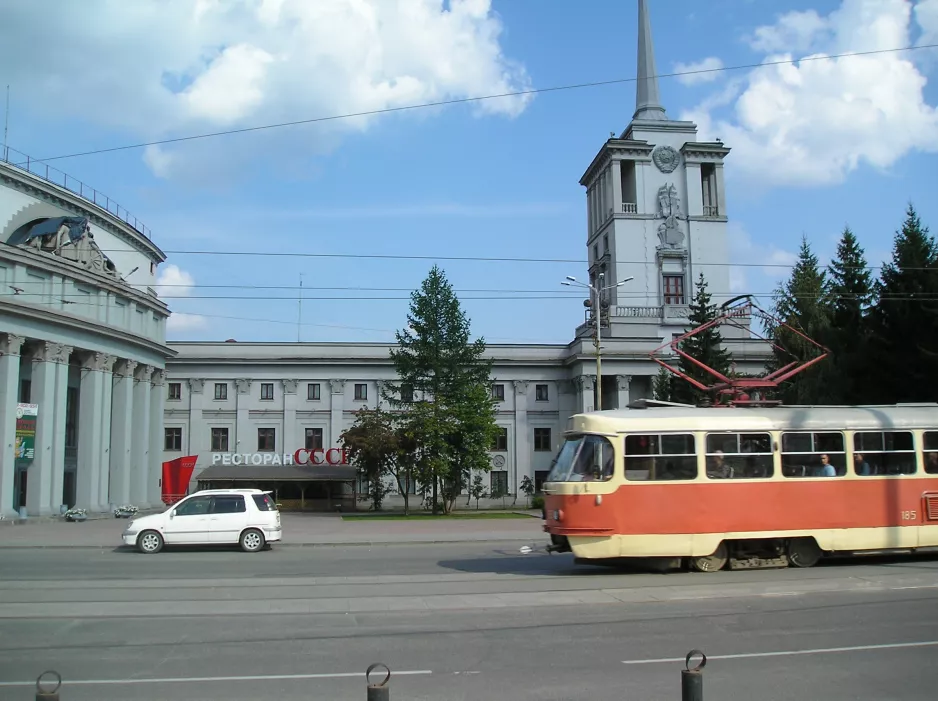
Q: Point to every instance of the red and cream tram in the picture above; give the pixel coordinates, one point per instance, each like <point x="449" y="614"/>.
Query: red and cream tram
<point x="748" y="487"/>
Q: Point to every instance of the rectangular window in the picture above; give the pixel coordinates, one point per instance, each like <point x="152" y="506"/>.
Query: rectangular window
<point x="407" y="393"/>
<point x="233" y="504"/>
<point x="26" y="390"/>
<point x="708" y="189"/>
<point x="266" y="440"/>
<point x="174" y="391"/>
<point x="883" y="453"/>
<point x="813" y="455"/>
<point x="361" y="392"/>
<point x="267" y="391"/>
<point x="219" y="440"/>
<point x="540" y="393"/>
<point x="313" y="439"/>
<point x="221" y="391"/>
<point x="172" y="439"/>
<point x="931" y="452"/>
<point x="583" y="459"/>
<point x="498" y="483"/>
<point x="71" y="417"/>
<point x="500" y="444"/>
<point x="673" y="289"/>
<point x="498" y="393"/>
<point x="605" y="243"/>
<point x="542" y="439"/>
<point x="313" y="392"/>
<point x="660" y="457"/>
<point x="739" y="456"/>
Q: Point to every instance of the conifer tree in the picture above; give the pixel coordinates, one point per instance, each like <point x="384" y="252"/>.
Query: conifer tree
<point x="663" y="384"/>
<point x="904" y="320"/>
<point x="803" y="302"/>
<point x="706" y="347"/>
<point x="851" y="292"/>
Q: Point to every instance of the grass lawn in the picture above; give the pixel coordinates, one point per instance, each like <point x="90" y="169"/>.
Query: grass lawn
<point x="422" y="516"/>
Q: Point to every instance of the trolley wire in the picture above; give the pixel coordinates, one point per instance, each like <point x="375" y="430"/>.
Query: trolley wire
<point x="481" y="98"/>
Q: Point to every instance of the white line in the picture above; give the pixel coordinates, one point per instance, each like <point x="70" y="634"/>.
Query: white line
<point x="49" y="681"/>
<point x="816" y="651"/>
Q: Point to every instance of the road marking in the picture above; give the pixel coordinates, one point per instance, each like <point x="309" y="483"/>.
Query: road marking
<point x="186" y="680"/>
<point x="816" y="651"/>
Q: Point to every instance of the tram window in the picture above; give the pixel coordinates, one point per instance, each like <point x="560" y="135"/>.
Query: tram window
<point x="660" y="457"/>
<point x="883" y="453"/>
<point x="813" y="455"/>
<point x="739" y="456"/>
<point x="583" y="459"/>
<point x="931" y="452"/>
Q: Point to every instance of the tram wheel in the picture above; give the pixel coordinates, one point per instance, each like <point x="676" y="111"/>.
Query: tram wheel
<point x="803" y="552"/>
<point x="711" y="563"/>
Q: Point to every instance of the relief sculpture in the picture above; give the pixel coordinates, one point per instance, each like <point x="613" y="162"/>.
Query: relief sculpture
<point x="669" y="209"/>
<point x="66" y="237"/>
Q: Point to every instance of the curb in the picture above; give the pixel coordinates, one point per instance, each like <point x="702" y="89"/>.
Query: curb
<point x="369" y="544"/>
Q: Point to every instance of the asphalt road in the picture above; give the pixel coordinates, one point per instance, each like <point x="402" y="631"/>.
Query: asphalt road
<point x="462" y="621"/>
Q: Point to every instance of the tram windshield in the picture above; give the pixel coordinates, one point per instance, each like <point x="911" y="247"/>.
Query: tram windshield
<point x="583" y="458"/>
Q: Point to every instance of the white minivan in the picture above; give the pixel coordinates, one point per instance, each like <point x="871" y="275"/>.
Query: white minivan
<point x="248" y="517"/>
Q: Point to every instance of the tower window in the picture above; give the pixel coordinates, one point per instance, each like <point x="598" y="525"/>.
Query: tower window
<point x="673" y="289"/>
<point x="708" y="185"/>
<point x="605" y="243"/>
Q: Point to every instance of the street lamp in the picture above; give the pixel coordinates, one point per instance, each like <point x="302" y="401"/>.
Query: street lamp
<point x="597" y="315"/>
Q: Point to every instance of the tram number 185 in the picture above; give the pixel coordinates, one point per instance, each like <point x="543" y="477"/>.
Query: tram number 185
<point x="908" y="515"/>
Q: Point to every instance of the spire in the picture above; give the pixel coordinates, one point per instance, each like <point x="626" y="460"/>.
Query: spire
<point x="647" y="100"/>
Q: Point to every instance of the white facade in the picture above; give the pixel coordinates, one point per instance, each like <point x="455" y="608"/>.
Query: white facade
<point x="83" y="345"/>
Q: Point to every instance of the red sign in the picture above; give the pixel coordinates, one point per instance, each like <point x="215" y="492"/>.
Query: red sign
<point x="176" y="476"/>
<point x="319" y="456"/>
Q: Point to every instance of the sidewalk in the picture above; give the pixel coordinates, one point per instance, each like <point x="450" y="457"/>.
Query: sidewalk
<point x="308" y="530"/>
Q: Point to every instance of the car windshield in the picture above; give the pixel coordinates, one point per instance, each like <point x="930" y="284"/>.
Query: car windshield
<point x="583" y="458"/>
<point x="264" y="502"/>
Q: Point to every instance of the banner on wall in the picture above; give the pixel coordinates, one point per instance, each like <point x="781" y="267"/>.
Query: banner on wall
<point x="24" y="447"/>
<point x="176" y="476"/>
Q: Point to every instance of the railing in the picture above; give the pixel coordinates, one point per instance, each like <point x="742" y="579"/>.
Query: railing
<point x="668" y="311"/>
<point x="691" y="682"/>
<point x="630" y="208"/>
<point x="48" y="173"/>
<point x="711" y="210"/>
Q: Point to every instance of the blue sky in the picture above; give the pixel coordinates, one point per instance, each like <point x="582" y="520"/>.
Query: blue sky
<point x="815" y="147"/>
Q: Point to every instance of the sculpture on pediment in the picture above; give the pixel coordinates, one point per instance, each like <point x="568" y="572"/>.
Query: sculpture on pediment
<point x="669" y="209"/>
<point x="69" y="238"/>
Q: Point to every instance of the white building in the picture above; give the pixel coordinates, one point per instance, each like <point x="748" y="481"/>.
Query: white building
<point x="656" y="211"/>
<point x="82" y="347"/>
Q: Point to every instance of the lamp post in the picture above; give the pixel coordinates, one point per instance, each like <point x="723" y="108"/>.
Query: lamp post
<point x="597" y="317"/>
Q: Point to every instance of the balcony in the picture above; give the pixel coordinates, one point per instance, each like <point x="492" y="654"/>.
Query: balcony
<point x="665" y="313"/>
<point x="711" y="210"/>
<point x="629" y="208"/>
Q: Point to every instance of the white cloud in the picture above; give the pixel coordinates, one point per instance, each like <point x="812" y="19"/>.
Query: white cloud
<point x="926" y="16"/>
<point x="174" y="282"/>
<point x="815" y="122"/>
<point x="156" y="69"/>
<point x="704" y="71"/>
<point x="180" y="322"/>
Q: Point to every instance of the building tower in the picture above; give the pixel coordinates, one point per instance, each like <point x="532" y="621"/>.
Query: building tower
<point x="656" y="211"/>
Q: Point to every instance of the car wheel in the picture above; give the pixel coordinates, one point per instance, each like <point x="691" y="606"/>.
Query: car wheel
<point x="149" y="542"/>
<point x="252" y="540"/>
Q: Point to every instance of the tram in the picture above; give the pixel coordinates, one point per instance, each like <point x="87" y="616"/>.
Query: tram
<point x="745" y="486"/>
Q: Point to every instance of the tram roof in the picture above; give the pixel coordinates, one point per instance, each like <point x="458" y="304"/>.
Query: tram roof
<point x="787" y="417"/>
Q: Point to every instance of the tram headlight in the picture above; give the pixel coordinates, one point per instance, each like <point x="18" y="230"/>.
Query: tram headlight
<point x="556" y="514"/>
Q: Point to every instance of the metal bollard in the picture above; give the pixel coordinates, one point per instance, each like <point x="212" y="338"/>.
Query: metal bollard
<point x="46" y="694"/>
<point x="378" y="692"/>
<point x="692" y="679"/>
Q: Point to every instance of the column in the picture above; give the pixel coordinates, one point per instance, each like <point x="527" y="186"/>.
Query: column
<point x="622" y="387"/>
<point x="95" y="383"/>
<point x="154" y="480"/>
<point x="46" y="358"/>
<point x="10" y="345"/>
<point x="337" y="405"/>
<point x="380" y="401"/>
<point x="522" y="437"/>
<point x="58" y="430"/>
<point x="140" y="448"/>
<point x="105" y="414"/>
<point x="243" y="442"/>
<point x="122" y="406"/>
<point x="197" y="437"/>
<point x="586" y="387"/>
<point x="617" y="187"/>
<point x="291" y="441"/>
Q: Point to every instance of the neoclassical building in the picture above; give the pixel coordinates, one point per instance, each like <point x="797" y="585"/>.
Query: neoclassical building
<point x="82" y="348"/>
<point x="656" y="212"/>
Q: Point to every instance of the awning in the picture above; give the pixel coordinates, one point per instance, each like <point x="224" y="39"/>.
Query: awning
<point x="277" y="473"/>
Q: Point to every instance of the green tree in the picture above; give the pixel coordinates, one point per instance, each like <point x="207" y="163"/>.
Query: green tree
<point x="851" y="292"/>
<point x="443" y="387"/>
<point x="904" y="319"/>
<point x="662" y="385"/>
<point x="705" y="347"/>
<point x="803" y="303"/>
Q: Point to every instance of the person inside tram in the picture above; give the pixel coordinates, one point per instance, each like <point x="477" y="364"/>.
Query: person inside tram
<point x="827" y="470"/>
<point x="718" y="468"/>
<point x="931" y="463"/>
<point x="861" y="466"/>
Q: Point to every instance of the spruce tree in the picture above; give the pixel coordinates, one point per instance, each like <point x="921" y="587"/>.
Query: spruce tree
<point x="663" y="384"/>
<point x="904" y="320"/>
<point x="706" y="347"/>
<point x="445" y="370"/>
<point x="851" y="291"/>
<point x="803" y="303"/>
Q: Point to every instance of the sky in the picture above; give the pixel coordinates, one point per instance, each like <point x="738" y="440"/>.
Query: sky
<point x="479" y="187"/>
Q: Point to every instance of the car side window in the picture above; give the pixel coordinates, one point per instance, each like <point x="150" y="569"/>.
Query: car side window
<point x="196" y="506"/>
<point x="228" y="504"/>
